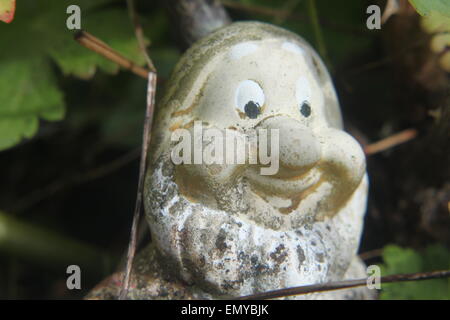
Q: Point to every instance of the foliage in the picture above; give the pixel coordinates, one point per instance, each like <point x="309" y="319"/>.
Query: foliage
<point x="73" y="178"/>
<point x="28" y="87"/>
<point x="399" y="260"/>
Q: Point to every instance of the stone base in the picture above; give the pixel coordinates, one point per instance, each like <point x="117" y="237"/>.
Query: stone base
<point x="151" y="282"/>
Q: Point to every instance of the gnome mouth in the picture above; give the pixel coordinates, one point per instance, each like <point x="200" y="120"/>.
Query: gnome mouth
<point x="282" y="184"/>
<point x="286" y="193"/>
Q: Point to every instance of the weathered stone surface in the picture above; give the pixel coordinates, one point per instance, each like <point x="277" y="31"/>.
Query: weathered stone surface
<point x="226" y="229"/>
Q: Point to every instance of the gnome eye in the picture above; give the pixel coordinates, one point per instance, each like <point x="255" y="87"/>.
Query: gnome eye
<point x="305" y="109"/>
<point x="303" y="95"/>
<point x="249" y="98"/>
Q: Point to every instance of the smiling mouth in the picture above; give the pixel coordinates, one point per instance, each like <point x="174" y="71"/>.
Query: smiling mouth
<point x="295" y="188"/>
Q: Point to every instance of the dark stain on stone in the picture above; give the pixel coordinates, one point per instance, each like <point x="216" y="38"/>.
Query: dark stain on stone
<point x="261" y="268"/>
<point x="167" y="169"/>
<point x="228" y="284"/>
<point x="301" y="255"/>
<point x="242" y="256"/>
<point x="280" y="254"/>
<point x="202" y="261"/>
<point x="221" y="244"/>
<point x="177" y="207"/>
<point x="319" y="257"/>
<point x="163" y="292"/>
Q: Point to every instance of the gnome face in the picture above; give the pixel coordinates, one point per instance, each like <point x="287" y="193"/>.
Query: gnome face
<point x="280" y="87"/>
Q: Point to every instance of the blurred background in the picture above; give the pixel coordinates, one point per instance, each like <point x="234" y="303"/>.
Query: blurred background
<point x="71" y="126"/>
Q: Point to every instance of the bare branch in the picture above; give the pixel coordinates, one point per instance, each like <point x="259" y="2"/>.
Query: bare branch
<point x="371" y="254"/>
<point x="345" y="285"/>
<point x="392" y="141"/>
<point x="151" y="90"/>
<point x="90" y="42"/>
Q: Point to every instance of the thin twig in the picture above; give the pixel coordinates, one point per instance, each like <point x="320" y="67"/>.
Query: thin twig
<point x="145" y="144"/>
<point x="92" y="43"/>
<point x="389" y="142"/>
<point x="151" y="90"/>
<point x="96" y="45"/>
<point x="140" y="238"/>
<point x="139" y="34"/>
<point x="345" y="285"/>
<point x="371" y="254"/>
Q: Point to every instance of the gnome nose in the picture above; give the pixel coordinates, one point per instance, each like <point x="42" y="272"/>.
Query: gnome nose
<point x="298" y="149"/>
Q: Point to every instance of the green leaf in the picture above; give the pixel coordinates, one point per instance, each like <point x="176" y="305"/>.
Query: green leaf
<point x="7" y="9"/>
<point x="27" y="92"/>
<point x="426" y="7"/>
<point x="399" y="260"/>
<point x="28" y="87"/>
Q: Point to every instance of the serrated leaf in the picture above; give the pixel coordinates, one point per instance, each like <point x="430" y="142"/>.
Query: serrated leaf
<point x="27" y="93"/>
<point x="426" y="7"/>
<point x="7" y="9"/>
<point x="40" y="32"/>
<point x="400" y="260"/>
